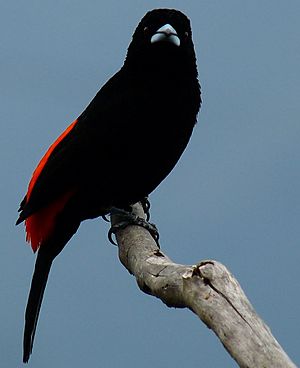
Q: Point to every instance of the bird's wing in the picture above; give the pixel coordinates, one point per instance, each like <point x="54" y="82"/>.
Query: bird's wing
<point x="63" y="167"/>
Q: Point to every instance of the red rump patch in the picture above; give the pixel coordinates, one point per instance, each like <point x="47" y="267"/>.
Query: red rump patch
<point x="40" y="225"/>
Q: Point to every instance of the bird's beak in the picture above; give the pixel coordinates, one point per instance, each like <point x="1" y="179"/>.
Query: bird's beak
<point x="166" y="33"/>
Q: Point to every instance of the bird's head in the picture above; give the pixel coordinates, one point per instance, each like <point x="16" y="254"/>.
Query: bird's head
<point x="162" y="38"/>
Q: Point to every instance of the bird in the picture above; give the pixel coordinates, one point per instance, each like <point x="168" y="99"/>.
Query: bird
<point x="120" y="148"/>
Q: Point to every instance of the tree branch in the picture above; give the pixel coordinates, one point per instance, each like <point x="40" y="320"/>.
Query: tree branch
<point x="208" y="289"/>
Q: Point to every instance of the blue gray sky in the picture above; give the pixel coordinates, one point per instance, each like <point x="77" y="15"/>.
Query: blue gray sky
<point x="233" y="197"/>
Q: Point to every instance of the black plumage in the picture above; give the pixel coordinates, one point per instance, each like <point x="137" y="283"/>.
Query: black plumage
<point x="121" y="147"/>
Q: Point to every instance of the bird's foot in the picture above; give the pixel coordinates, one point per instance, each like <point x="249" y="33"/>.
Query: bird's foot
<point x="129" y="218"/>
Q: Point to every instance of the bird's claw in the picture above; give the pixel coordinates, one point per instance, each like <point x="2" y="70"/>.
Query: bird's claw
<point x="131" y="219"/>
<point x="146" y="207"/>
<point x="113" y="230"/>
<point x="105" y="218"/>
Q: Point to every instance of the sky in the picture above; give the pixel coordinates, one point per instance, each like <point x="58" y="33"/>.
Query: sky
<point x="233" y="197"/>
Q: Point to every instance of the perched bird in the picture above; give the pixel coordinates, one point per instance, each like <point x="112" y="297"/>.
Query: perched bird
<point x="119" y="149"/>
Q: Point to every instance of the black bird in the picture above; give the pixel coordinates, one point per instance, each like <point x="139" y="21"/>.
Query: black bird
<point x="119" y="149"/>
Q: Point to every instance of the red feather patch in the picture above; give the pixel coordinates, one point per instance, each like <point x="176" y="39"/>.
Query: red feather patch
<point x="40" y="225"/>
<point x="43" y="161"/>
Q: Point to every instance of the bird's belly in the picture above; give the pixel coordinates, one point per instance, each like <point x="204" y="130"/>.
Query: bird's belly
<point x="136" y="161"/>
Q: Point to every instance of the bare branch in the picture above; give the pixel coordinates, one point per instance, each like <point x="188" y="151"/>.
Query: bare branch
<point x="209" y="290"/>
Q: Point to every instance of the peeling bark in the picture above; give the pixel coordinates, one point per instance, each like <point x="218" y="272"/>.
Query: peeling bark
<point x="208" y="289"/>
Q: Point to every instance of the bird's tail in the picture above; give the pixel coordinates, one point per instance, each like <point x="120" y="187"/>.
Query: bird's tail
<point x="38" y="284"/>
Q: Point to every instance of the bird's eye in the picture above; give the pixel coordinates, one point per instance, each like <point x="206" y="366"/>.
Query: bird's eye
<point x="146" y="29"/>
<point x="186" y="34"/>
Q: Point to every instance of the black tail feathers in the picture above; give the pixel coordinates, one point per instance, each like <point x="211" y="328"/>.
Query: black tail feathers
<point x="38" y="285"/>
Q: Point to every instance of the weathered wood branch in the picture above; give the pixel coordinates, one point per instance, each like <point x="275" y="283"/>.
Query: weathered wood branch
<point x="209" y="290"/>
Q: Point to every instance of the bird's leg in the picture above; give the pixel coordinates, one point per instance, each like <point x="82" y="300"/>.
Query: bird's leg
<point x="128" y="218"/>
